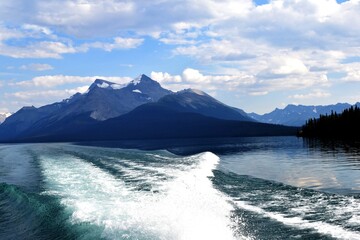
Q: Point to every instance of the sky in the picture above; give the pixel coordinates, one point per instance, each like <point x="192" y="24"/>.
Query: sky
<point x="254" y="55"/>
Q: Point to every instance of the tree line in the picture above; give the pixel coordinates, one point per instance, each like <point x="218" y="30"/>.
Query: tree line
<point x="345" y="125"/>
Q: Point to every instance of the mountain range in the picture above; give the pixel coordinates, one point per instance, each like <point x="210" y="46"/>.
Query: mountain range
<point x="297" y="115"/>
<point x="102" y="101"/>
<point x="141" y="109"/>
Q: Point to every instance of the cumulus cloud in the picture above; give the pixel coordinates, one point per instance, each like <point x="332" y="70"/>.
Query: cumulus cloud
<point x="42" y="43"/>
<point x="193" y="78"/>
<point x="352" y="72"/>
<point x="48" y="94"/>
<point x="293" y="83"/>
<point x="80" y="18"/>
<point x="9" y="33"/>
<point x="281" y="45"/>
<point x="58" y="80"/>
<point x="43" y="49"/>
<point x="119" y="43"/>
<point x="279" y="67"/>
<point x="311" y="95"/>
<point x="37" y="67"/>
<point x="237" y="30"/>
<point x="255" y="93"/>
<point x="164" y="77"/>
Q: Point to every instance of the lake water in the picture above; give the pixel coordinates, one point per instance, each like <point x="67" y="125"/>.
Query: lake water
<point x="248" y="188"/>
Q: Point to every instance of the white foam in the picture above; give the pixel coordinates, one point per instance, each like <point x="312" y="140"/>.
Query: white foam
<point x="136" y="91"/>
<point x="321" y="227"/>
<point x="187" y="207"/>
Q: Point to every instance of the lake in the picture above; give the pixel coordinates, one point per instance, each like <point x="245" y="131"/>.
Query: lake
<point x="245" y="188"/>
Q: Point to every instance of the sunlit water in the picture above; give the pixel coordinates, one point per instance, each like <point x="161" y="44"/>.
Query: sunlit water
<point x="252" y="188"/>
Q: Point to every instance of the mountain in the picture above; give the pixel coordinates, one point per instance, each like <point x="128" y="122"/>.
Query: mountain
<point x="196" y="101"/>
<point x="3" y="116"/>
<point x="102" y="101"/>
<point x="141" y="109"/>
<point x="155" y="121"/>
<point x="297" y="115"/>
<point x="186" y="101"/>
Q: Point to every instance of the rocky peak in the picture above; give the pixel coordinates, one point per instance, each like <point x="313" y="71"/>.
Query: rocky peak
<point x="100" y="83"/>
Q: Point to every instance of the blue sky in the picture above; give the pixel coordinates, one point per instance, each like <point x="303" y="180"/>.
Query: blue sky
<point x="253" y="55"/>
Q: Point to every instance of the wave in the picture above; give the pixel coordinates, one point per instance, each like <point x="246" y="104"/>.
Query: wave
<point x="32" y="216"/>
<point x="184" y="206"/>
<point x="274" y="210"/>
<point x="298" y="222"/>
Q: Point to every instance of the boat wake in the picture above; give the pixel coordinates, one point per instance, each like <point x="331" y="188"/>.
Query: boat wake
<point x="128" y="197"/>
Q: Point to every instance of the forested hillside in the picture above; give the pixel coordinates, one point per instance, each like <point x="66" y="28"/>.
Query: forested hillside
<point x="345" y="125"/>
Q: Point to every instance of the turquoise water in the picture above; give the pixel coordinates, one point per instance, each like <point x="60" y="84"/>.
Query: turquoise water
<point x="252" y="188"/>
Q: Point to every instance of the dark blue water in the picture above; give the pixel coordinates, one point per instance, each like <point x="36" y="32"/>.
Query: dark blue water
<point x="249" y="188"/>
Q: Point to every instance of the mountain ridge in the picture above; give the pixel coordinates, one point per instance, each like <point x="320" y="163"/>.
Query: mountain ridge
<point x="197" y="101"/>
<point x="102" y="100"/>
<point x="297" y="115"/>
<point x="105" y="100"/>
<point x="154" y="121"/>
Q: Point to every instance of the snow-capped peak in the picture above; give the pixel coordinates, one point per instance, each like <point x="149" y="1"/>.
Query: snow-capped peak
<point x="195" y="91"/>
<point x="103" y="85"/>
<point x="140" y="79"/>
<point x="137" y="80"/>
<point x="99" y="83"/>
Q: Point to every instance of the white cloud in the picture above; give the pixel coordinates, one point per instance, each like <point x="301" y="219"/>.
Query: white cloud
<point x="126" y="65"/>
<point x="164" y="77"/>
<point x="258" y="93"/>
<point x="58" y="80"/>
<point x="37" y="67"/>
<point x="48" y="94"/>
<point x="240" y="28"/>
<point x="119" y="43"/>
<point x="293" y="82"/>
<point x="42" y="43"/>
<point x="287" y="66"/>
<point x="80" y="18"/>
<point x="37" y="28"/>
<point x="44" y="49"/>
<point x="311" y="95"/>
<point x="279" y="46"/>
<point x="8" y="33"/>
<point x="307" y="22"/>
<point x="193" y="78"/>
<point x="352" y="72"/>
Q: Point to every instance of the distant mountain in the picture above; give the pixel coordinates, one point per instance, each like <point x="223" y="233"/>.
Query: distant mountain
<point x="196" y="101"/>
<point x="297" y="115"/>
<point x="102" y="101"/>
<point x="3" y="116"/>
<point x="155" y="121"/>
<point x="138" y="110"/>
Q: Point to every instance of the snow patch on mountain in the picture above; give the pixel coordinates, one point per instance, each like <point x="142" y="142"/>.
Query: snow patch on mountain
<point x="3" y="116"/>
<point x="137" y="80"/>
<point x="117" y="86"/>
<point x="136" y="91"/>
<point x="103" y="85"/>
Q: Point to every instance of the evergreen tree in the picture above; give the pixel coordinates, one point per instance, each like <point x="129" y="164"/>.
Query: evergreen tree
<point x="345" y="125"/>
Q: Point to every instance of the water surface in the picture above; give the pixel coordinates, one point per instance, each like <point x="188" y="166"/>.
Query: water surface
<point x="249" y="188"/>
